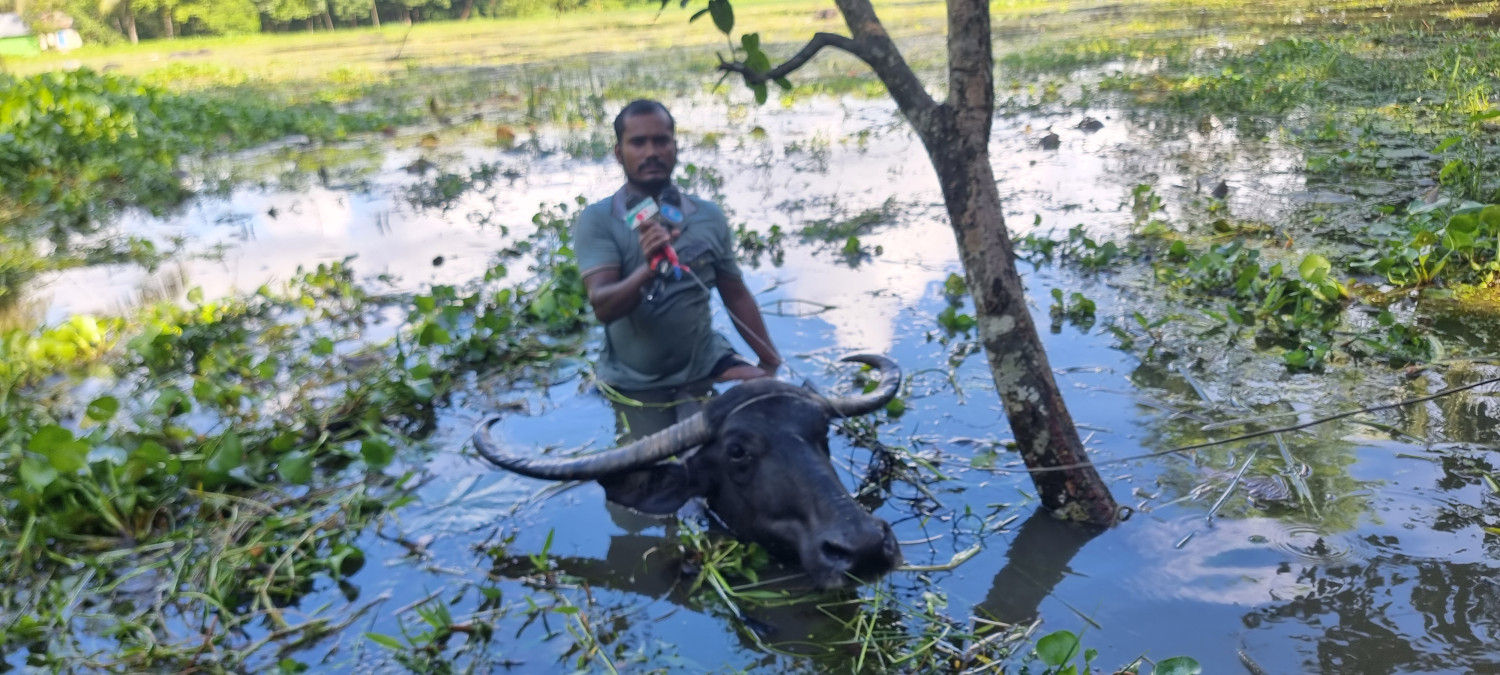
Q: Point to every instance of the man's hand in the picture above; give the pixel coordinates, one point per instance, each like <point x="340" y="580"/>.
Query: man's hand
<point x="654" y="238"/>
<point x="745" y="372"/>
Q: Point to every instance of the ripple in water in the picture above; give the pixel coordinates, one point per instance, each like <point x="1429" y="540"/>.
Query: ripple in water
<point x="1309" y="543"/>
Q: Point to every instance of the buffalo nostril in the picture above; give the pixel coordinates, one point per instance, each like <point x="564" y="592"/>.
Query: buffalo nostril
<point x="837" y="555"/>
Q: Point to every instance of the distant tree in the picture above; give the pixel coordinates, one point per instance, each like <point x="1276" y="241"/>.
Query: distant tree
<point x="352" y="10"/>
<point x="220" y="17"/>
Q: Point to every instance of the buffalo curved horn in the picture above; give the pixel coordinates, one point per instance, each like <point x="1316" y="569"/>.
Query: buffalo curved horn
<point x="890" y="381"/>
<point x="643" y="452"/>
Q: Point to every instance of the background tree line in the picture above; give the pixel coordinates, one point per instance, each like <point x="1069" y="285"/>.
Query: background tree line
<point x="109" y="21"/>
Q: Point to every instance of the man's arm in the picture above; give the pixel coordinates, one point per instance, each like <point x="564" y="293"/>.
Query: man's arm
<point x="613" y="297"/>
<point x="741" y="305"/>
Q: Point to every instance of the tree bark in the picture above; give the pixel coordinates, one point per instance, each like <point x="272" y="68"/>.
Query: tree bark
<point x="956" y="134"/>
<point x="468" y="7"/>
<point x="406" y="15"/>
<point x="327" y="20"/>
<point x="374" y="15"/>
<point x="166" y="23"/>
<point x="127" y="18"/>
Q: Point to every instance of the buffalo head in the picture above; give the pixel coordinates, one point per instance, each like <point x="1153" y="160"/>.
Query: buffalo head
<point x="761" y="462"/>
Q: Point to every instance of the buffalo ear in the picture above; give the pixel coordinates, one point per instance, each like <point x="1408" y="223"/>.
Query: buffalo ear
<point x="658" y="489"/>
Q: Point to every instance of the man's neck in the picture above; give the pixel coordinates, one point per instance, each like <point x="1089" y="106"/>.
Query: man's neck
<point x="633" y="189"/>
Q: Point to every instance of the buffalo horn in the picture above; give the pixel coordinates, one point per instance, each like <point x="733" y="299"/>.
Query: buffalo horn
<point x="644" y="452"/>
<point x="890" y="381"/>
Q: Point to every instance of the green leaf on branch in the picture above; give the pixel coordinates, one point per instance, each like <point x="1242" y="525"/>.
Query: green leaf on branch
<point x="785" y="84"/>
<point x="750" y="41"/>
<point x="698" y="15"/>
<point x="723" y="14"/>
<point x="760" y="93"/>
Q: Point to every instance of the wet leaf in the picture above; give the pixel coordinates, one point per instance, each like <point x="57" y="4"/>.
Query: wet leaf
<point x="103" y="409"/>
<point x="433" y="334"/>
<point x="57" y="445"/>
<point x="295" y="467"/>
<point x="37" y="474"/>
<point x="386" y="641"/>
<point x="377" y="453"/>
<point x="1057" y="648"/>
<point x="230" y="455"/>
<point x="1314" y="268"/>
<point x="1178" y="665"/>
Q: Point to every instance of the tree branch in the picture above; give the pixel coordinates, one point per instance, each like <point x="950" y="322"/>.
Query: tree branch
<point x="885" y="59"/>
<point x="819" y="41"/>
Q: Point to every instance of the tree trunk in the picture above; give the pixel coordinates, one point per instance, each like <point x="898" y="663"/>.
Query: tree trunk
<point x="406" y="15"/>
<point x="956" y="135"/>
<point x="166" y="23"/>
<point x="468" y="8"/>
<point x="127" y="18"/>
<point x="374" y="15"/>
<point x="327" y="20"/>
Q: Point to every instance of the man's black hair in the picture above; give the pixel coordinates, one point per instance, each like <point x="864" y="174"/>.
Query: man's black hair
<point x="641" y="107"/>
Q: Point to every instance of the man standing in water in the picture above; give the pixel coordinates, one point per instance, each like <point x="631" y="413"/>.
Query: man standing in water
<point x="659" y="344"/>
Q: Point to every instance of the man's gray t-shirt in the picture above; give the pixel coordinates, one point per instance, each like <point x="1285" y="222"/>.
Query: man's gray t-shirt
<point x="669" y="340"/>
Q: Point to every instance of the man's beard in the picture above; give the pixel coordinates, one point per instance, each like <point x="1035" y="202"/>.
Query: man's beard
<point x="654" y="186"/>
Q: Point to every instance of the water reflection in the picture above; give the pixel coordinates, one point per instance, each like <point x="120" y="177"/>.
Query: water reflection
<point x="1399" y="614"/>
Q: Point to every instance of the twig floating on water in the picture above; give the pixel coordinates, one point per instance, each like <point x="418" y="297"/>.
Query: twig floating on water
<point x="1233" y="483"/>
<point x="958" y="559"/>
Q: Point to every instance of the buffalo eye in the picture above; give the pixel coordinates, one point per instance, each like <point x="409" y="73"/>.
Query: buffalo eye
<point x="736" y="452"/>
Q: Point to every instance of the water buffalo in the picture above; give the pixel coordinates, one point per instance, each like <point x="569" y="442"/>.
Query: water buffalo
<point x="758" y="454"/>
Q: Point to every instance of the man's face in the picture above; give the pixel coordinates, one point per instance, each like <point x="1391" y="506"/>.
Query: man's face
<point x="648" y="150"/>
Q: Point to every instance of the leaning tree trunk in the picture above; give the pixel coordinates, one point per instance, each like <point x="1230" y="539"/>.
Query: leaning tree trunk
<point x="956" y="134"/>
<point x="374" y="15"/>
<point x="327" y="20"/>
<point x="166" y="23"/>
<point x="468" y="7"/>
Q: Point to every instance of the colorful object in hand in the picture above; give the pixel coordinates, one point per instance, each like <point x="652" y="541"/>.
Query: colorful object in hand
<point x="666" y="261"/>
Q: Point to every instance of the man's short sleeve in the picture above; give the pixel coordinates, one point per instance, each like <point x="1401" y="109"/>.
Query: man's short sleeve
<point x="725" y="264"/>
<point x="593" y="243"/>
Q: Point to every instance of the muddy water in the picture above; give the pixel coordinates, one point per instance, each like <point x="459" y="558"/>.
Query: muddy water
<point x="1378" y="563"/>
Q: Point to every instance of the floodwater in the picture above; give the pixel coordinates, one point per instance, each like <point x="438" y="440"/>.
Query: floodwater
<point x="1345" y="551"/>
